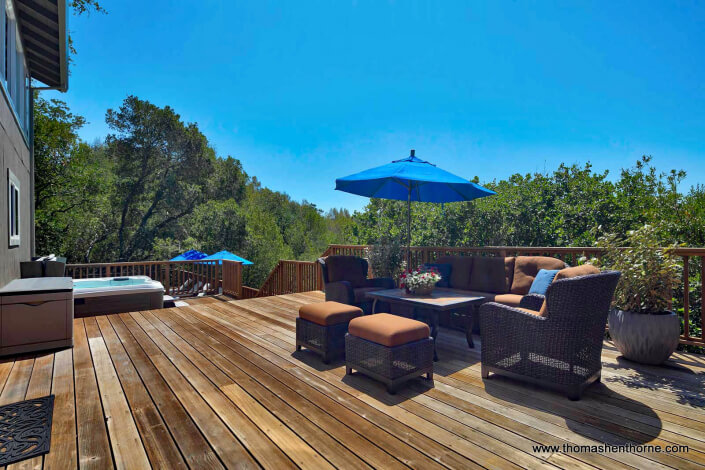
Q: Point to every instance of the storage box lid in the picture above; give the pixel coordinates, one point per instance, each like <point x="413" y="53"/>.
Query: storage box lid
<point x="37" y="285"/>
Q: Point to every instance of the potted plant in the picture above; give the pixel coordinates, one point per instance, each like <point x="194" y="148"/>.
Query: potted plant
<point x="642" y="324"/>
<point x="420" y="281"/>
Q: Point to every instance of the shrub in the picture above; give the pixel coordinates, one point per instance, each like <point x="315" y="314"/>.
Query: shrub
<point x="649" y="272"/>
<point x="386" y="257"/>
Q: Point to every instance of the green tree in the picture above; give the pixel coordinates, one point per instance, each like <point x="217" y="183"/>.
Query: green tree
<point x="162" y="168"/>
<point x="71" y="184"/>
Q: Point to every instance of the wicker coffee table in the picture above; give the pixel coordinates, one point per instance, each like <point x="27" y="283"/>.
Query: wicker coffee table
<point x="430" y="306"/>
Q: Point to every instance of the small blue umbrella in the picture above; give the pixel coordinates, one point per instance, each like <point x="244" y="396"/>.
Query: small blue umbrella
<point x="221" y="255"/>
<point x="189" y="255"/>
<point x="411" y="179"/>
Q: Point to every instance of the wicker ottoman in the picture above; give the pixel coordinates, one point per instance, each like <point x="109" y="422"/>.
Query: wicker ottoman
<point x="321" y="328"/>
<point x="389" y="348"/>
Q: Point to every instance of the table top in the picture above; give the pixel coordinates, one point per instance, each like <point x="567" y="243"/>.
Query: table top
<point x="439" y="299"/>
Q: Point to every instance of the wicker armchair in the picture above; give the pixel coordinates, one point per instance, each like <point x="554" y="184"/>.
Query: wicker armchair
<point x="562" y="349"/>
<point x="345" y="281"/>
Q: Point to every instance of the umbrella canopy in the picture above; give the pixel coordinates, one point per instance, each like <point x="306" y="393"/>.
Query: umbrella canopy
<point x="189" y="255"/>
<point x="411" y="179"/>
<point x="221" y="255"/>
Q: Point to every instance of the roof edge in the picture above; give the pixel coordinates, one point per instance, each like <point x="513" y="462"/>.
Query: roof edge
<point x="63" y="45"/>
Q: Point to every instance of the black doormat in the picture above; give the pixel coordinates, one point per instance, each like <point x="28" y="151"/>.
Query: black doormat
<point x="25" y="429"/>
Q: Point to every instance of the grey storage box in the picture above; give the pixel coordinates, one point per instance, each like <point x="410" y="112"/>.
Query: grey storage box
<point x="36" y="314"/>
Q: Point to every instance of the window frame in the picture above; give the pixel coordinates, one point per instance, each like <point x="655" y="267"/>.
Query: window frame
<point x="14" y="209"/>
<point x="15" y="84"/>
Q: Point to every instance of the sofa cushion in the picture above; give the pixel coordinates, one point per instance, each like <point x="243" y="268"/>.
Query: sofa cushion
<point x="492" y="274"/>
<point x="543" y="279"/>
<point x="526" y="268"/>
<point x="461" y="269"/>
<point x="346" y="268"/>
<point x="444" y="269"/>
<point x="329" y="313"/>
<point x="575" y="271"/>
<point x="533" y="312"/>
<point x="388" y="330"/>
<point x="512" y="300"/>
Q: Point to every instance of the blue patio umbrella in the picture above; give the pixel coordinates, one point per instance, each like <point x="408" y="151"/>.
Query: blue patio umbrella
<point x="221" y="255"/>
<point x="189" y="255"/>
<point x="411" y="179"/>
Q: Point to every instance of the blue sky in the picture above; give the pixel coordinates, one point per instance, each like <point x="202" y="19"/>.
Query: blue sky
<point x="303" y="92"/>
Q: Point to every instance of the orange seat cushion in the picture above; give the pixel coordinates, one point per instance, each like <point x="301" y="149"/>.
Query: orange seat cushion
<point x="388" y="330"/>
<point x="329" y="313"/>
<point x="533" y="312"/>
<point x="513" y="300"/>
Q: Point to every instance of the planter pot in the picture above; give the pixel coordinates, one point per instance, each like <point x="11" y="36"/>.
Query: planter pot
<point x="645" y="338"/>
<point x="420" y="290"/>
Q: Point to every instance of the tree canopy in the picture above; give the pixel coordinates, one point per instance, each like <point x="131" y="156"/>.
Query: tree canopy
<point x="155" y="187"/>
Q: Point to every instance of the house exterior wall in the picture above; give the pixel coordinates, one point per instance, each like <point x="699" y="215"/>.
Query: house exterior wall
<point x="14" y="156"/>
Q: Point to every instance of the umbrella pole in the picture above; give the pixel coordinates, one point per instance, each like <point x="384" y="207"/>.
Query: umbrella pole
<point x="408" y="230"/>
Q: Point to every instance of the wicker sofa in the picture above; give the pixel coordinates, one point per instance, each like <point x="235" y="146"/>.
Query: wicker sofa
<point x="345" y="281"/>
<point x="554" y="341"/>
<point x="504" y="280"/>
<point x="498" y="279"/>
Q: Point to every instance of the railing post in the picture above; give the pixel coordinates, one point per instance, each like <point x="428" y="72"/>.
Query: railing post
<point x="686" y="298"/>
<point x="702" y="298"/>
<point x="319" y="277"/>
<point x="167" y="278"/>
<point x="299" y="277"/>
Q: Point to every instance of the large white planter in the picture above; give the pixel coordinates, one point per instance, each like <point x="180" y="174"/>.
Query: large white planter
<point x="645" y="338"/>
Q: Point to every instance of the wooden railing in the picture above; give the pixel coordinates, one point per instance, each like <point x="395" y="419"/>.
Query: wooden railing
<point x="180" y="278"/>
<point x="249" y="292"/>
<point x="290" y="276"/>
<point x="232" y="278"/>
<point x="299" y="276"/>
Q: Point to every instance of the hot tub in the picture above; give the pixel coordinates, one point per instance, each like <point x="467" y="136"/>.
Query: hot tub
<point x="104" y="295"/>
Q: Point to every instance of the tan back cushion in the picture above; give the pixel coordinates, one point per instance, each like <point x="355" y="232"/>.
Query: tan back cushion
<point x="345" y="268"/>
<point x="567" y="273"/>
<point x="461" y="268"/>
<point x="576" y="271"/>
<point x="526" y="268"/>
<point x="492" y="274"/>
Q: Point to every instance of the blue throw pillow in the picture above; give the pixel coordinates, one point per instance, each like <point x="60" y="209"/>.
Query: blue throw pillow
<point x="444" y="270"/>
<point x="543" y="279"/>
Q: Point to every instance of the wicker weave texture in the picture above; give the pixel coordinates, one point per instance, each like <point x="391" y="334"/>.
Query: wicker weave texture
<point x="388" y="362"/>
<point x="327" y="340"/>
<point x="562" y="348"/>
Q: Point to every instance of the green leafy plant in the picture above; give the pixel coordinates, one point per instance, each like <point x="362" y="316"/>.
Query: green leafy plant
<point x="386" y="257"/>
<point x="649" y="272"/>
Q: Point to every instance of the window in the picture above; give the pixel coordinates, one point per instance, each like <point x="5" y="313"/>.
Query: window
<point x="14" y="76"/>
<point x="13" y="208"/>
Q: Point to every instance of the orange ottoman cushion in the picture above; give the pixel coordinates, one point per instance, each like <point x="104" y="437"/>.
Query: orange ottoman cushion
<point x="388" y="330"/>
<point x="329" y="313"/>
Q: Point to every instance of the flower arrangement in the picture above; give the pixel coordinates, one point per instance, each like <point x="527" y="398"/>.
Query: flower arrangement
<point x="420" y="281"/>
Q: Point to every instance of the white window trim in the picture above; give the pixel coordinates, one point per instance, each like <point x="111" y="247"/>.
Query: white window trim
<point x="14" y="194"/>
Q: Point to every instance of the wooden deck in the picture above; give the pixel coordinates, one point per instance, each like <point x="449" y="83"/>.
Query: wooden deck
<point x="216" y="384"/>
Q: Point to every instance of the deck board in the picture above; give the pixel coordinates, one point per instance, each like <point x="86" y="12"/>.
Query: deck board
<point x="217" y="384"/>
